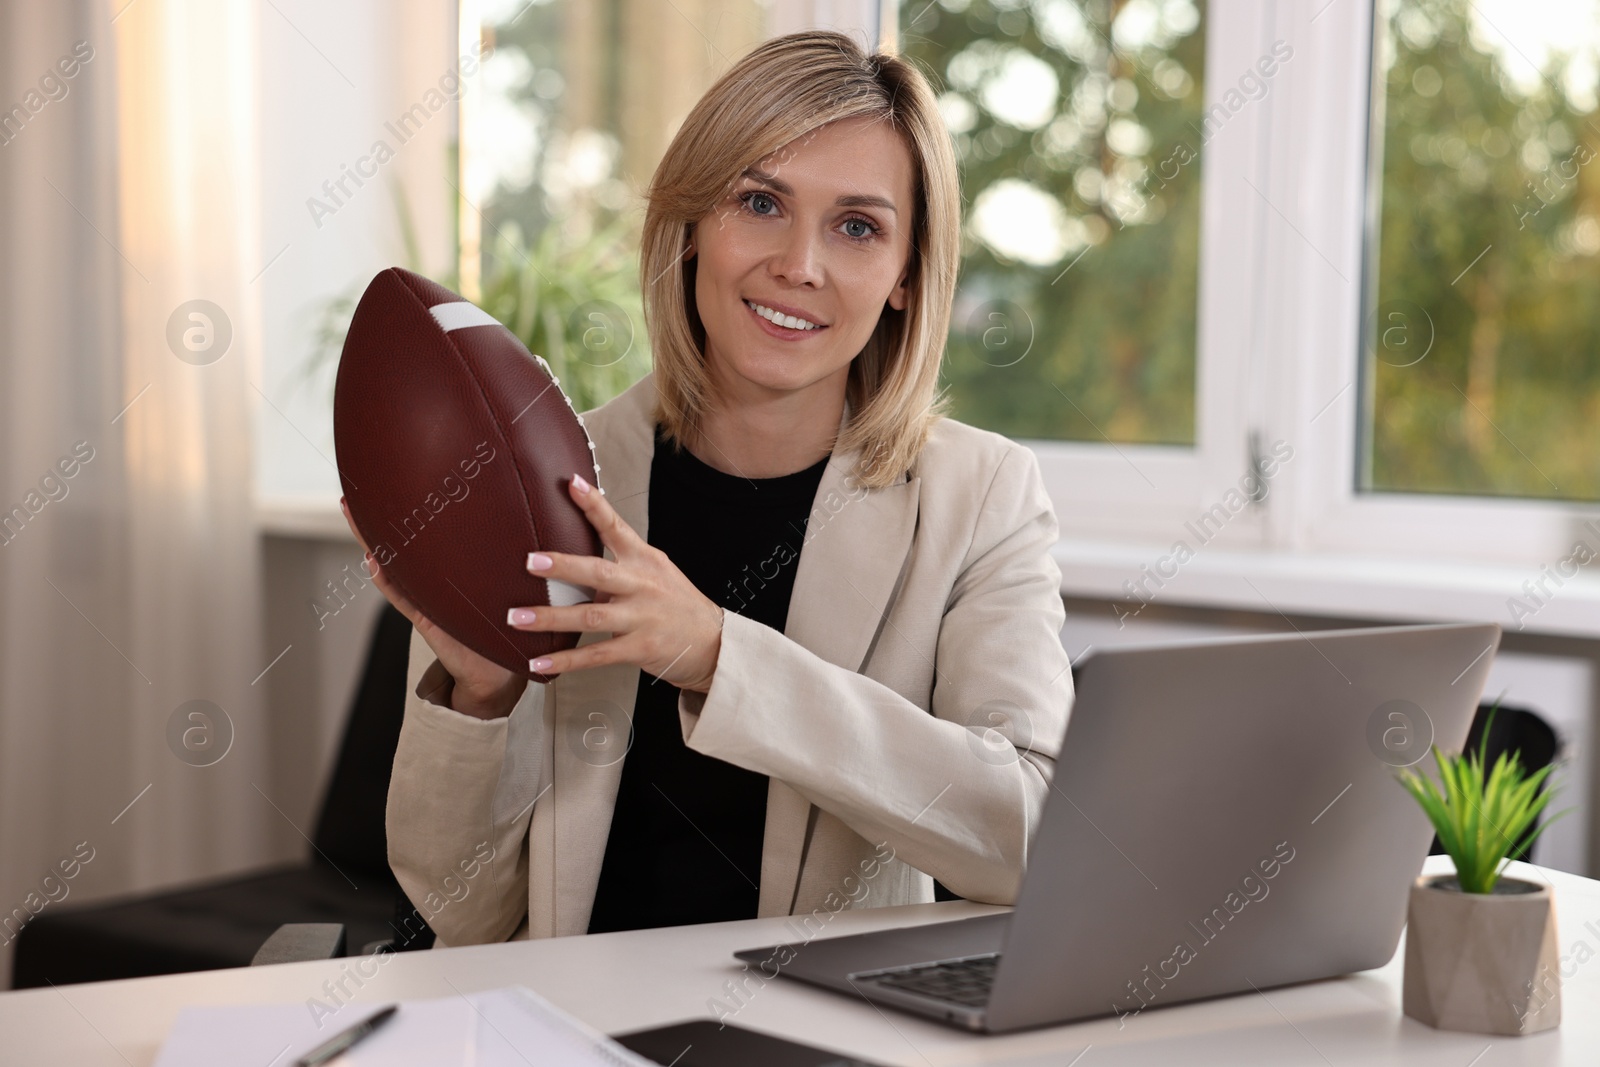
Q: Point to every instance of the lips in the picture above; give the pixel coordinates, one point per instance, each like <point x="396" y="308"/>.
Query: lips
<point x="786" y="313"/>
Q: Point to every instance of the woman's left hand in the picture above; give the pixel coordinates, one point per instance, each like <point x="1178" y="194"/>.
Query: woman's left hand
<point x="657" y="618"/>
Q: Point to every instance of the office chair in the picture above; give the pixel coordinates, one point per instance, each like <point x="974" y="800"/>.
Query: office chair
<point x="226" y="923"/>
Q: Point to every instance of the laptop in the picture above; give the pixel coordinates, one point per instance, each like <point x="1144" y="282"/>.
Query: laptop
<point x="1223" y="817"/>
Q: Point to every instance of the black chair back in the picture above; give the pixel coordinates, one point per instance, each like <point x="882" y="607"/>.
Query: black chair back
<point x="350" y="831"/>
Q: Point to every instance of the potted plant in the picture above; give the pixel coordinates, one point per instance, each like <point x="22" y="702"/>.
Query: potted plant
<point x="1481" y="953"/>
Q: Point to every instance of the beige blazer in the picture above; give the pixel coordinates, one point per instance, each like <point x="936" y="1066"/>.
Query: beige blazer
<point x="908" y="717"/>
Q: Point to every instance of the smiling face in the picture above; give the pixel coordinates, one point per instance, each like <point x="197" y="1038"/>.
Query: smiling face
<point x="816" y="236"/>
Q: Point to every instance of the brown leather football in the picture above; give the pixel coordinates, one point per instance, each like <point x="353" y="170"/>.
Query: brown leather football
<point x="454" y="447"/>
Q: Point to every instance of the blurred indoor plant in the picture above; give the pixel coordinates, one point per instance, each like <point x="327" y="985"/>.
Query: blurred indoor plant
<point x="576" y="302"/>
<point x="1481" y="952"/>
<point x="571" y="295"/>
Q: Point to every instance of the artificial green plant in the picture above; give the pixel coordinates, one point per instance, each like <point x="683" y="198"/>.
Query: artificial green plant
<point x="1481" y="819"/>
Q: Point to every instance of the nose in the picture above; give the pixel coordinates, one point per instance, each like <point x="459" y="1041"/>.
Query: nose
<point x="797" y="259"/>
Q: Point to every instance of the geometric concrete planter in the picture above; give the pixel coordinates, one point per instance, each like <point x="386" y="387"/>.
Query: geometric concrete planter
<point x="1485" y="963"/>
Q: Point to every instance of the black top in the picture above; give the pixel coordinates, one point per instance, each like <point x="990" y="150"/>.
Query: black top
<point x="685" y="840"/>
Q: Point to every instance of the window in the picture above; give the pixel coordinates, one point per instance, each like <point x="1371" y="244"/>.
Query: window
<point x="1339" y="190"/>
<point x="1078" y="126"/>
<point x="1201" y="235"/>
<point x="1113" y="274"/>
<point x="1483" y="338"/>
<point x="1375" y="477"/>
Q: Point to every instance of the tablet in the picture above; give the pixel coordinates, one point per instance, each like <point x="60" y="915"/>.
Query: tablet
<point x="706" y="1043"/>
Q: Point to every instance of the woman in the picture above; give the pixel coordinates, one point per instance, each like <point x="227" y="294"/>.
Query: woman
<point x="822" y="666"/>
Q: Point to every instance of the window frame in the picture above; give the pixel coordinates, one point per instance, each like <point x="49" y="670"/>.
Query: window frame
<point x="1279" y="351"/>
<point x="1335" y="514"/>
<point x="1147" y="492"/>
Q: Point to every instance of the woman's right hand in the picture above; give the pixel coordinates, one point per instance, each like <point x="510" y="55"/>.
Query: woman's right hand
<point x="482" y="688"/>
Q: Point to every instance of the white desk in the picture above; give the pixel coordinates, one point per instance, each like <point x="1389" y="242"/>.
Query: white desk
<point x="626" y="981"/>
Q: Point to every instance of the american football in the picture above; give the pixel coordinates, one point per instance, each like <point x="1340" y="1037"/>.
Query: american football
<point x="454" y="446"/>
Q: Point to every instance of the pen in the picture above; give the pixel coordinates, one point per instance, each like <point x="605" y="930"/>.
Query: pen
<point x="345" y="1038"/>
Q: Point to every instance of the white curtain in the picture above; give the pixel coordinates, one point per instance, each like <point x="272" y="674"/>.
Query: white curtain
<point x="129" y="587"/>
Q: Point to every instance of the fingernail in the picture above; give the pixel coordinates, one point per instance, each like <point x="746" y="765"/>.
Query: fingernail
<point x="540" y="664"/>
<point x="519" y="616"/>
<point x="538" y="561"/>
<point x="582" y="486"/>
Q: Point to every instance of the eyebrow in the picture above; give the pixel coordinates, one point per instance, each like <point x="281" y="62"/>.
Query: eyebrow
<point x="772" y="181"/>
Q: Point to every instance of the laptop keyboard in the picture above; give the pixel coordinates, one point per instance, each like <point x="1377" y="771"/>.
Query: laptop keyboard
<point x="965" y="981"/>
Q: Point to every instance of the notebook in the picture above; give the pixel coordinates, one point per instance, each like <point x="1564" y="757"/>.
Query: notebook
<point x="509" y="1027"/>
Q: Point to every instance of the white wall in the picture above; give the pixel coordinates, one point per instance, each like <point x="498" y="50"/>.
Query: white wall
<point x="332" y="76"/>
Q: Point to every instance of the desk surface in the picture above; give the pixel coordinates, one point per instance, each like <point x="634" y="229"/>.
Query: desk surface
<point x="626" y="981"/>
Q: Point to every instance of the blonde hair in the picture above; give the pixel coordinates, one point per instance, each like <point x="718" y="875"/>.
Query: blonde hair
<point x="783" y="89"/>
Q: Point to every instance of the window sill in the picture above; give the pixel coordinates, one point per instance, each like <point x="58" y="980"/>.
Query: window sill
<point x="1358" y="587"/>
<point x="1294" y="583"/>
<point x="313" y="518"/>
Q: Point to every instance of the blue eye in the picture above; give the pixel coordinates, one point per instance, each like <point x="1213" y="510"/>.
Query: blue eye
<point x="751" y="197"/>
